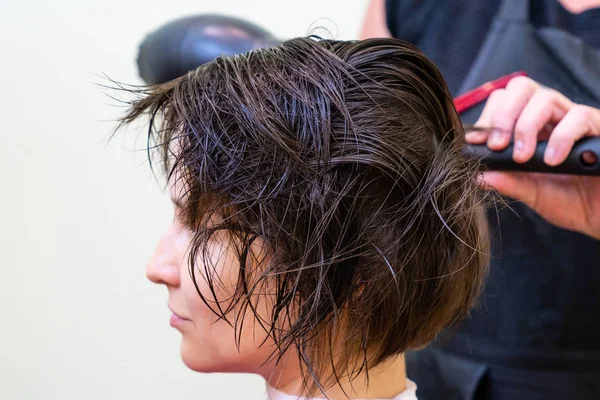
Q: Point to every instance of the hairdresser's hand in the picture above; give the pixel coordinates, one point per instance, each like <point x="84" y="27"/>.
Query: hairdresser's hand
<point x="532" y="112"/>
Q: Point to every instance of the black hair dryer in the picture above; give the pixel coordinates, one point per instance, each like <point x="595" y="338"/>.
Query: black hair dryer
<point x="184" y="44"/>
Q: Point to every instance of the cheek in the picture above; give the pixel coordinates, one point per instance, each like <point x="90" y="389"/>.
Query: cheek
<point x="210" y="343"/>
<point x="215" y="277"/>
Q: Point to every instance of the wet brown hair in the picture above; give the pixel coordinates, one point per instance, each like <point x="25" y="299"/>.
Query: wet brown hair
<point x="344" y="157"/>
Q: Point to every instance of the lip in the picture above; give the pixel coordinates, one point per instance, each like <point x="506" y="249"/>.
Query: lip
<point x="176" y="319"/>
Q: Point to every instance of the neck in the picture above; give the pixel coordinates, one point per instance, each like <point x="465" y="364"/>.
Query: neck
<point x="384" y="381"/>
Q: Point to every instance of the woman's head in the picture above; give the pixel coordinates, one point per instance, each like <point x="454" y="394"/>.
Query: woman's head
<point x="323" y="209"/>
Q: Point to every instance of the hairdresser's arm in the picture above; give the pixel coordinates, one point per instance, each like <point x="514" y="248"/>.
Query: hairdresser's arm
<point x="535" y="113"/>
<point x="374" y="24"/>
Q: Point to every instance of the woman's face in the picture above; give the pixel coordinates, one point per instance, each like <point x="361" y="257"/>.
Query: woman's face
<point x="208" y="343"/>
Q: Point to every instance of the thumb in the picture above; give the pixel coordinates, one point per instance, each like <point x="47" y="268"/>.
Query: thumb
<point x="519" y="186"/>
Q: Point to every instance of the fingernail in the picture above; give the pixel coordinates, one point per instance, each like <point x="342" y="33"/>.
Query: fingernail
<point x="496" y="139"/>
<point x="551" y="156"/>
<point x="480" y="180"/>
<point x="519" y="149"/>
<point x="485" y="180"/>
<point x="519" y="146"/>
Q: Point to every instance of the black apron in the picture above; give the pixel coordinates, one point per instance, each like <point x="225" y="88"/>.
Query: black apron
<point x="515" y="345"/>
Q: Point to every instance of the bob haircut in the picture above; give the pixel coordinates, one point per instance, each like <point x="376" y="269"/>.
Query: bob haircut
<point x="344" y="157"/>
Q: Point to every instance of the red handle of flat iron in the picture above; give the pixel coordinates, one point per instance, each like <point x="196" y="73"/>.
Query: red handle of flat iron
<point x="481" y="93"/>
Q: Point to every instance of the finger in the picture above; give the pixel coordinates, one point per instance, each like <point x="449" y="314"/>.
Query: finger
<point x="495" y="98"/>
<point x="557" y="198"/>
<point x="519" y="186"/>
<point x="477" y="136"/>
<point x="545" y="106"/>
<point x="517" y="94"/>
<point x="484" y="121"/>
<point x="516" y="186"/>
<point x="579" y="122"/>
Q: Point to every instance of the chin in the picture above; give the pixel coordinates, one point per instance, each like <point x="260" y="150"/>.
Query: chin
<point x="200" y="359"/>
<point x="199" y="367"/>
<point x="208" y="359"/>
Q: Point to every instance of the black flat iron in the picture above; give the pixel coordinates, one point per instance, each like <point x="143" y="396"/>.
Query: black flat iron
<point x="584" y="159"/>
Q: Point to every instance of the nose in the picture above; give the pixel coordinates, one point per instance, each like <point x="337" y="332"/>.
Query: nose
<point x="164" y="266"/>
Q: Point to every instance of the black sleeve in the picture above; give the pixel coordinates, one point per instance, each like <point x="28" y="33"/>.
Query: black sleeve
<point x="407" y="19"/>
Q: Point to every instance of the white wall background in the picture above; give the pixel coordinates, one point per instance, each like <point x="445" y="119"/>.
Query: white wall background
<point x="78" y="219"/>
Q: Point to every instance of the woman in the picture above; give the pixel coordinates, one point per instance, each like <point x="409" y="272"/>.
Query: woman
<point x="325" y="221"/>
